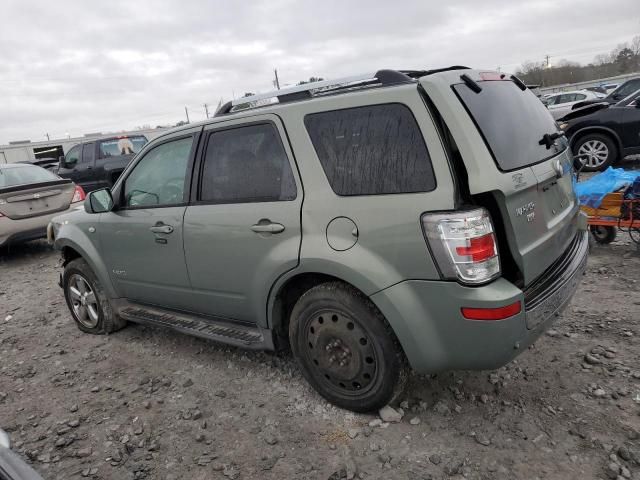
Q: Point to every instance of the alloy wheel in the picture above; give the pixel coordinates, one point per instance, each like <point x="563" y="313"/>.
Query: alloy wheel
<point x="593" y="153"/>
<point x="83" y="301"/>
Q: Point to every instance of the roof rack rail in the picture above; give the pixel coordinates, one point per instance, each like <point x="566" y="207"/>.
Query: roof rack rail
<point x="381" y="78"/>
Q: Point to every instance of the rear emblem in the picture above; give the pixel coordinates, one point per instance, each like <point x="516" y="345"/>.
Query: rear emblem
<point x="528" y="210"/>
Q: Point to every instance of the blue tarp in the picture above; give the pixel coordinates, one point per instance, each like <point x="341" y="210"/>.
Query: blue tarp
<point x="592" y="191"/>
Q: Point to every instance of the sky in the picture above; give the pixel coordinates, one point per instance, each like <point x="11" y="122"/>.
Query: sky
<point x="70" y="67"/>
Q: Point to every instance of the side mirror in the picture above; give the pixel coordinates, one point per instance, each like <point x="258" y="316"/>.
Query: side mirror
<point x="99" y="201"/>
<point x="62" y="163"/>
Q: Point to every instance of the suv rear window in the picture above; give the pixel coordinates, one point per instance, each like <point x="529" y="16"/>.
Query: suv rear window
<point x="121" y="146"/>
<point x="512" y="123"/>
<point x="371" y="150"/>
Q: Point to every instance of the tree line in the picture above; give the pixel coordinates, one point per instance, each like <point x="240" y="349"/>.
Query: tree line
<point x="625" y="58"/>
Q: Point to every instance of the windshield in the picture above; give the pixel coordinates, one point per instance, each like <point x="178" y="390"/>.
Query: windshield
<point x="23" y="175"/>
<point x="512" y="122"/>
<point x="625" y="89"/>
<point x="121" y="146"/>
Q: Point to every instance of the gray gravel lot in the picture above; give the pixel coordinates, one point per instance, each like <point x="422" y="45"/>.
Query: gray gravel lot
<point x="148" y="403"/>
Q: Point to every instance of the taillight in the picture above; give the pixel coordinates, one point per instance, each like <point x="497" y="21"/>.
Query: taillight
<point x="463" y="245"/>
<point x="78" y="195"/>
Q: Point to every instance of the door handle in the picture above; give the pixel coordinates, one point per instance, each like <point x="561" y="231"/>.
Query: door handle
<point x="161" y="228"/>
<point x="267" y="227"/>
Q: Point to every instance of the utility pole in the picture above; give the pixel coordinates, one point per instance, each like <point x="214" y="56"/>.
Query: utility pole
<point x="47" y="136"/>
<point x="546" y="59"/>
<point x="275" y="71"/>
<point x="186" y="112"/>
<point x="206" y="110"/>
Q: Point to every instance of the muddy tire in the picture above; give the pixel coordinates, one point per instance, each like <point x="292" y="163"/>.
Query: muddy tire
<point x="87" y="301"/>
<point x="346" y="349"/>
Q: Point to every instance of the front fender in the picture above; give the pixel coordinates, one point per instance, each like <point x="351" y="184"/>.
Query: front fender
<point x="72" y="236"/>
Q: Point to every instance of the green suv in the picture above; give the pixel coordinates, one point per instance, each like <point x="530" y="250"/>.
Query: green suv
<point x="401" y="218"/>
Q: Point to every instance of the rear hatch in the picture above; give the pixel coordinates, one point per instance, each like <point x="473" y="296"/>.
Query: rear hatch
<point x="505" y="137"/>
<point x="29" y="191"/>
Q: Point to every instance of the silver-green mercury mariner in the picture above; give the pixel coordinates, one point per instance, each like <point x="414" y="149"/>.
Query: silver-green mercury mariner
<point x="370" y="223"/>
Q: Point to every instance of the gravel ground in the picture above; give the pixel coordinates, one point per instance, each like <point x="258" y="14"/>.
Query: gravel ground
<point x="149" y="403"/>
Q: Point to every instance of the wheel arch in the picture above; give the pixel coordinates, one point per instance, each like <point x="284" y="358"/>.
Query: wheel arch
<point x="596" y="129"/>
<point x="286" y="292"/>
<point x="71" y="250"/>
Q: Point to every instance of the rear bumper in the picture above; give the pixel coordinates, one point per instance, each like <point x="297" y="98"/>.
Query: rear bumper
<point x="426" y="315"/>
<point x="18" y="231"/>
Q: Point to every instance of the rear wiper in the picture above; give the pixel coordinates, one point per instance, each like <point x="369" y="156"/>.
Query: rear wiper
<point x="548" y="139"/>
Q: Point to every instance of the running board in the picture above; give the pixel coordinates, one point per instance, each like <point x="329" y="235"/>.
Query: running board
<point x="223" y="331"/>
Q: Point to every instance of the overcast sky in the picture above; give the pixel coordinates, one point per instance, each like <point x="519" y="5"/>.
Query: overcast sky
<point x="85" y="66"/>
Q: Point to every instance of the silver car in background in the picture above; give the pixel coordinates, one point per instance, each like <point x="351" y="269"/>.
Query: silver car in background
<point x="30" y="197"/>
<point x="559" y="104"/>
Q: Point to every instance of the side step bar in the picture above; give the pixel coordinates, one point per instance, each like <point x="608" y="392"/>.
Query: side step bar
<point x="211" y="328"/>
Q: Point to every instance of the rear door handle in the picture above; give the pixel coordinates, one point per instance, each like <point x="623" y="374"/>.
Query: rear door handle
<point x="161" y="228"/>
<point x="267" y="228"/>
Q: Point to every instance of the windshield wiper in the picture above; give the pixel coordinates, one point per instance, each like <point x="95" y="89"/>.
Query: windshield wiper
<point x="548" y="139"/>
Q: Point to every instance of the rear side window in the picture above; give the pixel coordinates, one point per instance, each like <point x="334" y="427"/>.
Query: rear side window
<point x="512" y="123"/>
<point x="372" y="150"/>
<point x="246" y="164"/>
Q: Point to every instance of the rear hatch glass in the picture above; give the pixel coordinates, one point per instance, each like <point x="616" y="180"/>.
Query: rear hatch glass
<point x="511" y="135"/>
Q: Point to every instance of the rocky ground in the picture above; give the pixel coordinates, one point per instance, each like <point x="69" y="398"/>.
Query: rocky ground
<point x="148" y="403"/>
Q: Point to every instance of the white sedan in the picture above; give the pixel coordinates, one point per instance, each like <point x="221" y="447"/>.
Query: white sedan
<point x="559" y="104"/>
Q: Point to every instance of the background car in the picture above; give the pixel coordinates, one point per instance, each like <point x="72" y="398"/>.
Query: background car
<point x="29" y="197"/>
<point x="615" y="95"/>
<point x="560" y="104"/>
<point x="601" y="134"/>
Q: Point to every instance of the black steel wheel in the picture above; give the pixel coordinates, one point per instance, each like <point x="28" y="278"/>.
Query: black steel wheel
<point x="345" y="348"/>
<point x="603" y="234"/>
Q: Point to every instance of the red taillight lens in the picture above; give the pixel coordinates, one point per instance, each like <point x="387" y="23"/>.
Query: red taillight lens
<point x="78" y="195"/>
<point x="463" y="245"/>
<point x="479" y="248"/>
<point x="499" y="313"/>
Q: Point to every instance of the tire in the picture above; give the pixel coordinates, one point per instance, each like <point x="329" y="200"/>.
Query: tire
<point x="603" y="234"/>
<point x="346" y="349"/>
<point x="595" y="152"/>
<point x="93" y="314"/>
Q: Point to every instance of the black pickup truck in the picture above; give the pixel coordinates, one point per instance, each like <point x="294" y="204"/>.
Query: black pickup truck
<point x="98" y="163"/>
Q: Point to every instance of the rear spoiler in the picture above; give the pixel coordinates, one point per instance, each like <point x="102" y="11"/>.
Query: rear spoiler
<point x="29" y="186"/>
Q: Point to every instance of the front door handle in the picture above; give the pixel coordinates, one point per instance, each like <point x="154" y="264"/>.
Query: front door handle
<point x="267" y="227"/>
<point x="161" y="228"/>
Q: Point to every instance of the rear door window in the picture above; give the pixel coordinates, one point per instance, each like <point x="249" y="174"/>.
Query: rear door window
<point x="88" y="152"/>
<point x="245" y="165"/>
<point x="512" y="123"/>
<point x="372" y="150"/>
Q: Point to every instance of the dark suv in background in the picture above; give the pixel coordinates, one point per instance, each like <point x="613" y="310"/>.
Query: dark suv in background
<point x="602" y="134"/>
<point x="99" y="163"/>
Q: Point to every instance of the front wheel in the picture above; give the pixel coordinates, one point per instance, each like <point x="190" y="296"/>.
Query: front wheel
<point x="345" y="348"/>
<point x="595" y="152"/>
<point x="87" y="301"/>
